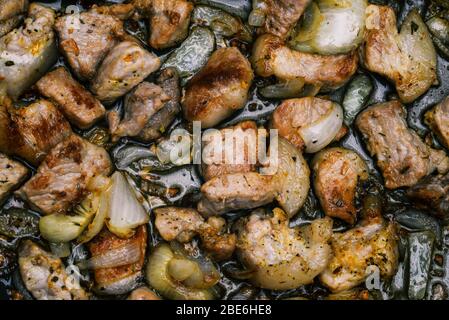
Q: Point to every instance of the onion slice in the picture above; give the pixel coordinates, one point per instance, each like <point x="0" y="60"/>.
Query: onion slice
<point x="121" y="256"/>
<point x="319" y="134"/>
<point x="125" y="212"/>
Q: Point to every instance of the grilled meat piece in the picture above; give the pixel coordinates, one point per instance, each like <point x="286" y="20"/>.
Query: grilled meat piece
<point x="12" y="174"/>
<point x="11" y="14"/>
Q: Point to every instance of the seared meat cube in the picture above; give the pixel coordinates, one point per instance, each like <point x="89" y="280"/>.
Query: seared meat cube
<point x="12" y="174"/>
<point x="28" y="52"/>
<point x="281" y="257"/>
<point x="401" y="155"/>
<point x="371" y="244"/>
<point x="293" y="116"/>
<point x="63" y="179"/>
<point x="407" y="58"/>
<point x="168" y="80"/>
<point x="126" y="65"/>
<point x="140" y="105"/>
<point x="120" y="279"/>
<point x="244" y="146"/>
<point x="11" y="14"/>
<point x="438" y="120"/>
<point x="219" y="88"/>
<point x="45" y="276"/>
<point x="86" y="38"/>
<point x="281" y="15"/>
<point x="432" y="193"/>
<point x="182" y="224"/>
<point x="337" y="174"/>
<point x="272" y="57"/>
<point x="237" y="191"/>
<point x="74" y="101"/>
<point x="31" y="132"/>
<point x="169" y="20"/>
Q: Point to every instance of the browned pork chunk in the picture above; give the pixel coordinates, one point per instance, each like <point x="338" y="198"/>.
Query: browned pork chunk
<point x="85" y="38"/>
<point x="407" y="58"/>
<point x="219" y="88"/>
<point x="62" y="180"/>
<point x="120" y="279"/>
<point x="243" y="145"/>
<point x="337" y="174"/>
<point x="272" y="57"/>
<point x="401" y="155"/>
<point x="140" y="105"/>
<point x="126" y="65"/>
<point x="11" y="14"/>
<point x="169" y="20"/>
<point x="75" y="102"/>
<point x="31" y="132"/>
<point x="432" y="193"/>
<point x="12" y="174"/>
<point x="281" y="15"/>
<point x="438" y="120"/>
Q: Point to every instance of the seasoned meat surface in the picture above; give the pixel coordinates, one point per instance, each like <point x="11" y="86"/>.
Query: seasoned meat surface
<point x="243" y="149"/>
<point x="140" y="105"/>
<point x="401" y="155"/>
<point x="281" y="257"/>
<point x="169" y="21"/>
<point x="219" y="88"/>
<point x="11" y="14"/>
<point x="157" y="125"/>
<point x="86" y="38"/>
<point x="438" y="120"/>
<point x="399" y="56"/>
<point x="126" y="65"/>
<point x="75" y="102"/>
<point x="27" y="52"/>
<point x="62" y="180"/>
<point x="337" y="174"/>
<point x="31" y="132"/>
<point x="45" y="276"/>
<point x="121" y="279"/>
<point x="12" y="174"/>
<point x="271" y="56"/>
<point x="281" y="16"/>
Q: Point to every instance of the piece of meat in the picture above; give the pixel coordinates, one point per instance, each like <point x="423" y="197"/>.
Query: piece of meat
<point x="401" y="155"/>
<point x="122" y="11"/>
<point x="31" y="132"/>
<point x="271" y="56"/>
<point x="45" y="276"/>
<point x="12" y="174"/>
<point x="26" y="53"/>
<point x="337" y="174"/>
<point x="11" y="14"/>
<point x="407" y="58"/>
<point x="371" y="244"/>
<point x="219" y="88"/>
<point x="126" y="65"/>
<point x="169" y="21"/>
<point x="143" y="293"/>
<point x="182" y="224"/>
<point x="85" y="38"/>
<point x="281" y="257"/>
<point x="237" y="191"/>
<point x="158" y="124"/>
<point x="281" y="15"/>
<point x="63" y="179"/>
<point x="140" y="105"/>
<point x="237" y="155"/>
<point x="292" y="115"/>
<point x="75" y="102"/>
<point x="438" y="120"/>
<point x="122" y="279"/>
<point x="432" y="193"/>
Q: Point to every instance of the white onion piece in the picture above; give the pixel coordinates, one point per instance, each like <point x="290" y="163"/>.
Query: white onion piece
<point x="319" y="134"/>
<point x="121" y="256"/>
<point x="125" y="212"/>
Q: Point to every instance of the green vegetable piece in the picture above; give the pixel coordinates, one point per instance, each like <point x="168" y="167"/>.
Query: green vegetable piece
<point x="18" y="222"/>
<point x="356" y="97"/>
